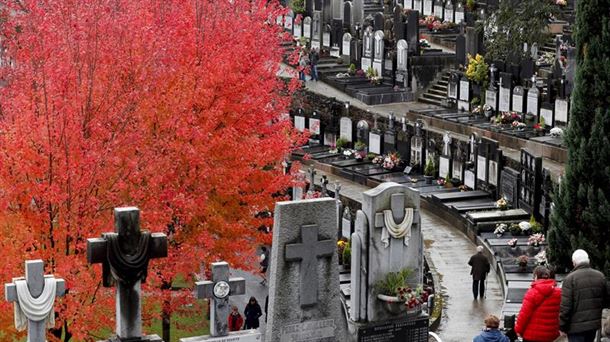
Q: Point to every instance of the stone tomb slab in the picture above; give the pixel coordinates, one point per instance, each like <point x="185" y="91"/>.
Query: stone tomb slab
<point x="460" y="196"/>
<point x="396" y="177"/>
<point x="516" y="291"/>
<point x="496" y="215"/>
<point x="350" y="162"/>
<point x="304" y="292"/>
<point x="412" y="329"/>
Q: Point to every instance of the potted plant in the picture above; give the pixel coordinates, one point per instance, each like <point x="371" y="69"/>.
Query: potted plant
<point x="341" y="143"/>
<point x="500" y="229"/>
<point x="478" y="73"/>
<point x="502" y="204"/>
<point x="448" y="183"/>
<point x="429" y="170"/>
<point x="352" y="69"/>
<point x="346" y="256"/>
<point x="534" y="225"/>
<point x="535" y="240"/>
<point x="512" y="243"/>
<point x="388" y="290"/>
<point x="360" y="148"/>
<point x="522" y="261"/>
<point x="514" y="228"/>
<point x="341" y="243"/>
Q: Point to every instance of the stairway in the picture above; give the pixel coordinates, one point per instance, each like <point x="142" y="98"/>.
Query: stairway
<point x="437" y="93"/>
<point x="372" y="6"/>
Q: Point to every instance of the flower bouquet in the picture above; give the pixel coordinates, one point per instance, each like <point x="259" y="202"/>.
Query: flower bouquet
<point x="535" y="239"/>
<point x="441" y="181"/>
<point x="512" y="243"/>
<point x="500" y="229"/>
<point x="556" y="132"/>
<point x="522" y="261"/>
<point x="502" y="204"/>
<point x="413" y="298"/>
<point x="389" y="161"/>
<point x="541" y="258"/>
<point x="525" y="227"/>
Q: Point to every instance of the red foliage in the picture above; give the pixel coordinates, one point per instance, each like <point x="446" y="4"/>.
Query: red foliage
<point x="170" y="106"/>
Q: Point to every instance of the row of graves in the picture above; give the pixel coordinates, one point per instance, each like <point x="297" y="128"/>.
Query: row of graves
<point x="370" y="52"/>
<point x="311" y="296"/>
<point x="502" y="204"/>
<point x="527" y="96"/>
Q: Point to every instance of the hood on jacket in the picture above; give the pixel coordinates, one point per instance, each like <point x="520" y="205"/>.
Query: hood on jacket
<point x="493" y="335"/>
<point x="544" y="286"/>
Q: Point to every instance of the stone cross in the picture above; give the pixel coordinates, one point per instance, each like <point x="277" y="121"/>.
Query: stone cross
<point x="446" y="144"/>
<point x="391" y="118"/>
<point x="308" y="252"/>
<point x="219" y="289"/>
<point x="128" y="249"/>
<point x="337" y="189"/>
<point x="35" y="279"/>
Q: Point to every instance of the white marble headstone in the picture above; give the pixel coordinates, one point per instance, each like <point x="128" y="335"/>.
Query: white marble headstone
<point x="561" y="111"/>
<point x="443" y="167"/>
<point x="299" y="123"/>
<point x="345" y="128"/>
<point x="469" y="179"/>
<point x="481" y="168"/>
<point x="374" y="143"/>
<point x="504" y="105"/>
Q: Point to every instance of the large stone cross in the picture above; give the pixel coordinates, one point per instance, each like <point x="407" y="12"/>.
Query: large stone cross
<point x="35" y="280"/>
<point x="219" y="290"/>
<point x="125" y="255"/>
<point x="308" y="252"/>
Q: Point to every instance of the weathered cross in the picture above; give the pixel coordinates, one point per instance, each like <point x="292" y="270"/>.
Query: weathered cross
<point x="125" y="255"/>
<point x="324" y="183"/>
<point x="308" y="252"/>
<point x="337" y="189"/>
<point x="219" y="290"/>
<point x="35" y="295"/>
<point x="311" y="174"/>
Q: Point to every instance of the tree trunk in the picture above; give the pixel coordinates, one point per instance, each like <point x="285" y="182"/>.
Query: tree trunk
<point x="166" y="312"/>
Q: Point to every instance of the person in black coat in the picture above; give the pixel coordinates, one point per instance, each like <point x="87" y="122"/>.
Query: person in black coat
<point x="480" y="268"/>
<point x="252" y="312"/>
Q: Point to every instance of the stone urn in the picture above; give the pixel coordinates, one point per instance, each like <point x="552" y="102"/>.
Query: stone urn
<point x="428" y="179"/>
<point x="392" y="304"/>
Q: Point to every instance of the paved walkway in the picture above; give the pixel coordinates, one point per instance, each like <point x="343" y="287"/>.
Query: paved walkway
<point x="449" y="251"/>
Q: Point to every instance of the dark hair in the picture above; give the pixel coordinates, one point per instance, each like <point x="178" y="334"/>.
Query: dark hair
<point x="252" y="299"/>
<point x="264" y="249"/>
<point x="541" y="272"/>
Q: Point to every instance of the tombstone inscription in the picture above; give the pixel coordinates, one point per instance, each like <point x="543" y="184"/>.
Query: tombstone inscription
<point x="378" y="52"/>
<point x="304" y="301"/>
<point x="124" y="255"/>
<point x="518" y="99"/>
<point x="33" y="297"/>
<point x="533" y="101"/>
<point x="307" y="27"/>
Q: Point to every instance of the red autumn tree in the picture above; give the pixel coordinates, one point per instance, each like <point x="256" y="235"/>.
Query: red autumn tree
<point x="172" y="106"/>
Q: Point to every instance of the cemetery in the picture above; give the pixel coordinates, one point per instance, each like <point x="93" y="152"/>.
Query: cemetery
<point x="344" y="202"/>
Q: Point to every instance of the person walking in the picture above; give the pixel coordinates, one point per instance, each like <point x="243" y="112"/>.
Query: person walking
<point x="538" y="320"/>
<point x="264" y="263"/>
<point x="252" y="312"/>
<point x="303" y="62"/>
<point x="491" y="333"/>
<point x="584" y="294"/>
<point x="480" y="268"/>
<point x="314" y="57"/>
<point x="236" y="321"/>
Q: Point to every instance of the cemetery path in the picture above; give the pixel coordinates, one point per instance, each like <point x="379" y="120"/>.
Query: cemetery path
<point x="449" y="250"/>
<point x="253" y="288"/>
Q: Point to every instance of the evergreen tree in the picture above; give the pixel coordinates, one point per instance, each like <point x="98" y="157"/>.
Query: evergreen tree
<point x="581" y="218"/>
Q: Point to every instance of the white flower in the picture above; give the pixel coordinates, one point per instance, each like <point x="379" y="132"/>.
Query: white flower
<point x="556" y="132"/>
<point x="347" y="153"/>
<point x="500" y="228"/>
<point x="525" y="226"/>
<point x="541" y="257"/>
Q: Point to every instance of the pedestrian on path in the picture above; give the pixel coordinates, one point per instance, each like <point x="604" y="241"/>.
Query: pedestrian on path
<point x="252" y="312"/>
<point x="314" y="57"/>
<point x="264" y="262"/>
<point x="584" y="294"/>
<point x="236" y="321"/>
<point x="538" y="320"/>
<point x="491" y="332"/>
<point x="303" y="63"/>
<point x="480" y="268"/>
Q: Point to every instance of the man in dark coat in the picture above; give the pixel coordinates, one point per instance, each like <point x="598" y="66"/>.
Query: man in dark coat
<point x="584" y="294"/>
<point x="479" y="270"/>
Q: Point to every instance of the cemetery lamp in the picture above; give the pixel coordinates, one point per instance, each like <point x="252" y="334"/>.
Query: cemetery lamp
<point x="221" y="289"/>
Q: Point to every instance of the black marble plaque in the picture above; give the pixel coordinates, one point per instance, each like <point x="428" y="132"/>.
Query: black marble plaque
<point x="410" y="329"/>
<point x="509" y="186"/>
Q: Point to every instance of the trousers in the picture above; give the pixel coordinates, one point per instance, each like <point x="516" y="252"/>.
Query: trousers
<point x="478" y="288"/>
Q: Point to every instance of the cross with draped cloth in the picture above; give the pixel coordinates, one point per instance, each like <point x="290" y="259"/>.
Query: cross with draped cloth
<point x="124" y="256"/>
<point x="395" y="223"/>
<point x="33" y="297"/>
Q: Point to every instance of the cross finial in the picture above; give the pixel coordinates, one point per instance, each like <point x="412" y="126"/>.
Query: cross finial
<point x="219" y="289"/>
<point x="34" y="296"/>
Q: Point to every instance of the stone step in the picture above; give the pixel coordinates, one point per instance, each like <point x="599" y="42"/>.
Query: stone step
<point x="429" y="101"/>
<point x="438" y="92"/>
<point x="439" y="87"/>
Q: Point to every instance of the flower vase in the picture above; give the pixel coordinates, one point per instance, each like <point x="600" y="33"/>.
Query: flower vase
<point x="428" y="179"/>
<point x="392" y="304"/>
<point x="513" y="246"/>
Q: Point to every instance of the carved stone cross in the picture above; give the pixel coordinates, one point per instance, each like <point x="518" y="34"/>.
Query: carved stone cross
<point x="219" y="289"/>
<point x="311" y="174"/>
<point x="446" y="144"/>
<point x="125" y="255"/>
<point x="397" y="205"/>
<point x="35" y="281"/>
<point x="324" y="183"/>
<point x="308" y="252"/>
<point x="337" y="190"/>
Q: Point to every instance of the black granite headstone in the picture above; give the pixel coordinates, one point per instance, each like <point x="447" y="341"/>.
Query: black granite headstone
<point x="527" y="70"/>
<point x="509" y="186"/>
<point x="460" y="49"/>
<point x="378" y="21"/>
<point x="412" y="329"/>
<point x="413" y="33"/>
<point x="399" y="23"/>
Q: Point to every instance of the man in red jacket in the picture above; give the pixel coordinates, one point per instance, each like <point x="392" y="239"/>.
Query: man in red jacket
<point x="538" y="320"/>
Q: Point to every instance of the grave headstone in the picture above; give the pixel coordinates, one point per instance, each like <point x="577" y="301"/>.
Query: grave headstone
<point x="362" y="132"/>
<point x="387" y="239"/>
<point x="327" y="12"/>
<point x="346" y="47"/>
<point x="547" y="113"/>
<point x="452" y="87"/>
<point x="299" y="121"/>
<point x="326" y="36"/>
<point x="402" y="59"/>
<point x="378" y="53"/>
<point x="444" y="163"/>
<point x="337" y="9"/>
<point x="307" y="27"/>
<point x="546" y="198"/>
<point x="346" y="223"/>
<point x="464" y="94"/>
<point x="439" y="10"/>
<point x="358" y="13"/>
<point x="491" y="99"/>
<point x="125" y="255"/>
<point x="348" y="19"/>
<point x="399" y="23"/>
<point x="346" y="129"/>
<point x="389" y="136"/>
<point x="530" y="183"/>
<point x="449" y="14"/>
<point x="418" y="5"/>
<point x="375" y="138"/>
<point x="561" y="112"/>
<point x="304" y="300"/>
<point x="298" y="27"/>
<point x="367" y="49"/>
<point x="218" y="290"/>
<point x="474" y="41"/>
<point x="288" y="21"/>
<point x="505" y="88"/>
<point x="460" y="157"/>
<point x="378" y="20"/>
<point x="417" y="147"/>
<point x="460" y="49"/>
<point x="404" y="142"/>
<point x="459" y="13"/>
<point x="533" y="101"/>
<point x="489" y="163"/>
<point x="527" y="70"/>
<point x="316" y="30"/>
<point x="428" y="7"/>
<point x="34" y="298"/>
<point x="509" y="186"/>
<point x="315" y="129"/>
<point x="518" y="100"/>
